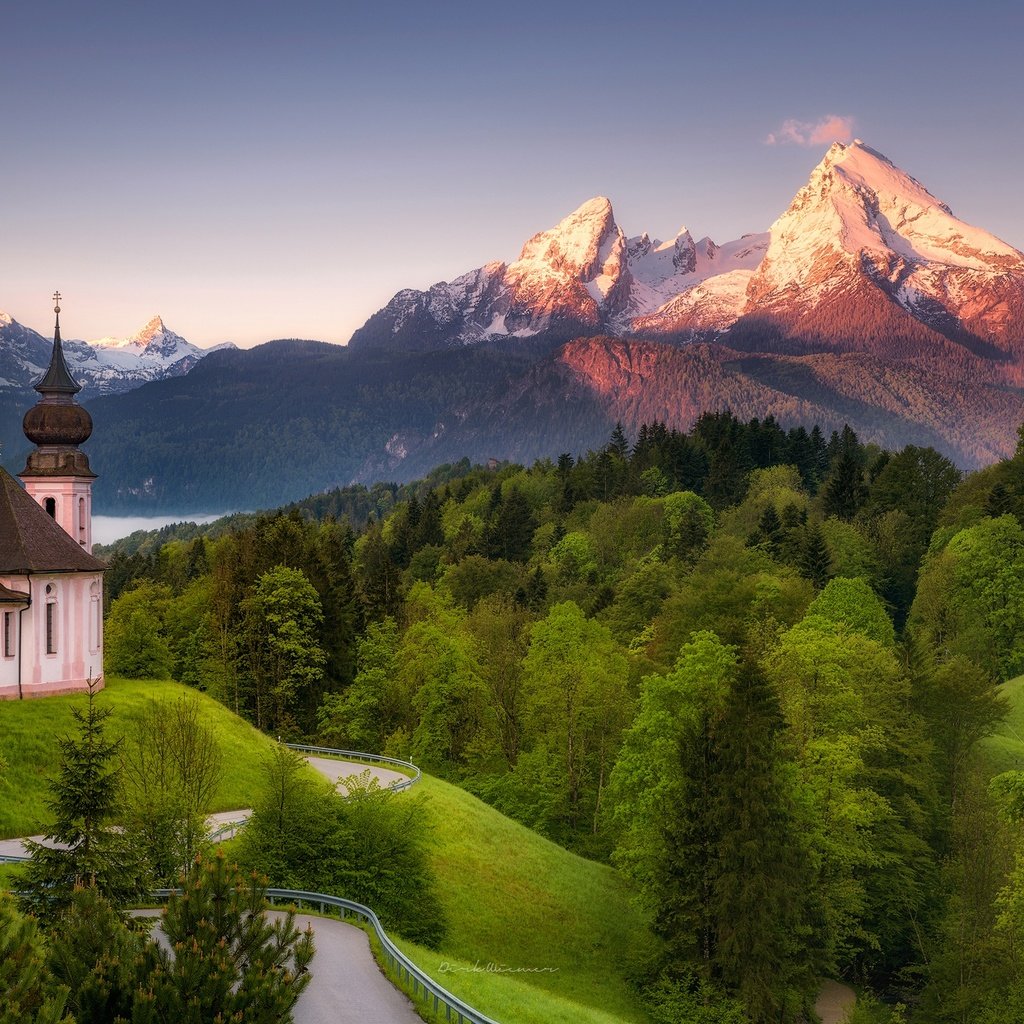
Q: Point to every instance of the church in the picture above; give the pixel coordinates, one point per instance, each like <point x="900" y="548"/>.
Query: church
<point x="51" y="586"/>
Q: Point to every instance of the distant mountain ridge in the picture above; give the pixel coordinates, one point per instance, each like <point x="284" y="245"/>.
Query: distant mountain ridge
<point x="867" y="302"/>
<point x="106" y="366"/>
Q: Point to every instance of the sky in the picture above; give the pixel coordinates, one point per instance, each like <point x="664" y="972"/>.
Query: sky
<point x="265" y="170"/>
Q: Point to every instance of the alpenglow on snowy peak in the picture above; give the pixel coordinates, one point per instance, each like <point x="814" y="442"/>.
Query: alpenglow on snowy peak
<point x="863" y="251"/>
<point x="153" y="343"/>
<point x="583" y="276"/>
<point x="862" y="231"/>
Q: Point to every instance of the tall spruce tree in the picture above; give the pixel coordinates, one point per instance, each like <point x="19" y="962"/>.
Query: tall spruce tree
<point x="83" y="846"/>
<point x="815" y="559"/>
<point x="762" y="901"/>
<point x="510" y="532"/>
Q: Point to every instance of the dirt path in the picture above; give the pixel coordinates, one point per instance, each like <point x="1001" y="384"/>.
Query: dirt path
<point x="834" y="1002"/>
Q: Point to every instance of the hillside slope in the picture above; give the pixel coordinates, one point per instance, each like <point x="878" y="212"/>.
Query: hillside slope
<point x="28" y="730"/>
<point x="563" y="925"/>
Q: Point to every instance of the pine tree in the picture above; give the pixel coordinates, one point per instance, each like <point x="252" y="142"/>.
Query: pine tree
<point x="999" y="501"/>
<point x="28" y="992"/>
<point x="510" y="532"/>
<point x="815" y="559"/>
<point x="762" y="909"/>
<point x="726" y="481"/>
<point x="230" y="962"/>
<point x="617" y="444"/>
<point x="429" y="531"/>
<point x="769" y="531"/>
<point x="844" y="490"/>
<point x="82" y="846"/>
<point x="224" y="959"/>
<point x="536" y="591"/>
<point x="819" y="454"/>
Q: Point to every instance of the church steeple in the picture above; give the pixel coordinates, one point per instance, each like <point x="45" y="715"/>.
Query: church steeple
<point x="57" y="473"/>
<point x="57" y="380"/>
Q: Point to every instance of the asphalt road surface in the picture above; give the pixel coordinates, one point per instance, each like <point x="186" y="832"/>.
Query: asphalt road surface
<point x="347" y="984"/>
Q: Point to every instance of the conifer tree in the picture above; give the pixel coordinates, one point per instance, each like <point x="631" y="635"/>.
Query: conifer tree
<point x="844" y="490"/>
<point x="769" y="531"/>
<point x="618" y="445"/>
<point x="82" y="846"/>
<point x="510" y="532"/>
<point x="428" y="530"/>
<point x="815" y="559"/>
<point x="28" y="992"/>
<point x="761" y="902"/>
<point x="230" y="961"/>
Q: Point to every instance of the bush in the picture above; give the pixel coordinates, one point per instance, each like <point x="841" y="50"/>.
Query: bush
<point x="370" y="847"/>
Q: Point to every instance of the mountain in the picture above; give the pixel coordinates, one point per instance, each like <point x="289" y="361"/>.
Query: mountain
<point x="583" y="276"/>
<point x="866" y="302"/>
<point x="106" y="366"/>
<point x="864" y="258"/>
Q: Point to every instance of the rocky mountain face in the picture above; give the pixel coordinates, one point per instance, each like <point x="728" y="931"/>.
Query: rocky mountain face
<point x="583" y="276"/>
<point x="864" y="258"/>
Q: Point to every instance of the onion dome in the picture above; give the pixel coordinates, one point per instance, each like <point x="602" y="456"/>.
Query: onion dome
<point x="57" y="423"/>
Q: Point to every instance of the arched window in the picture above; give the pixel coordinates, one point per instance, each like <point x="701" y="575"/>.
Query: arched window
<point x="96" y="615"/>
<point x="8" y="634"/>
<point x="50" y="504"/>
<point x="81" y="520"/>
<point x="51" y="619"/>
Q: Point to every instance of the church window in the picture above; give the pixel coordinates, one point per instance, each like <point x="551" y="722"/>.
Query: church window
<point x="50" y="504"/>
<point x="51" y="620"/>
<point x="8" y="634"/>
<point x="96" y="614"/>
<point x="81" y="520"/>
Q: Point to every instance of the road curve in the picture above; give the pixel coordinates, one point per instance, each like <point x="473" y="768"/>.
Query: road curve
<point x="334" y="769"/>
<point x="347" y="985"/>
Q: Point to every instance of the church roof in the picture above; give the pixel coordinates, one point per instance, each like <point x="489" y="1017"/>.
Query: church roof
<point x="30" y="541"/>
<point x="8" y="596"/>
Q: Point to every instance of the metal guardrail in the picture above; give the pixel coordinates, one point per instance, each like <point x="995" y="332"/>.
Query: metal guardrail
<point x="416" y="980"/>
<point x="423" y="986"/>
<point x="359" y="755"/>
<point x="229" y="828"/>
<point x="406" y="972"/>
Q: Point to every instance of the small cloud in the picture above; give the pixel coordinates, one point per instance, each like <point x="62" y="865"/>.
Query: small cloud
<point x="830" y="128"/>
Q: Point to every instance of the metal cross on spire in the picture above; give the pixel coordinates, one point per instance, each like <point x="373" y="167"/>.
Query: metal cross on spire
<point x="56" y="302"/>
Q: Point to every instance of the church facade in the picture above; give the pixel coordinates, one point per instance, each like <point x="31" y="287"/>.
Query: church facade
<point x="51" y="586"/>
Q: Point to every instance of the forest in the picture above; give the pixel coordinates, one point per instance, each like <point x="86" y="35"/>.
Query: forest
<point x="753" y="669"/>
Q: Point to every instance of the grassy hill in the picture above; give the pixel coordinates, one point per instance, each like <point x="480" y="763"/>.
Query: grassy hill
<point x="28" y="730"/>
<point x="1005" y="750"/>
<point x="563" y="926"/>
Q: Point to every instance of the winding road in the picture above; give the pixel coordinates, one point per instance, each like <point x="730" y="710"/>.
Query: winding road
<point x="348" y="985"/>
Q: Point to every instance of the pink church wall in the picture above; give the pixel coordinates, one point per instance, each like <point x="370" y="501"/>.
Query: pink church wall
<point x="78" y="603"/>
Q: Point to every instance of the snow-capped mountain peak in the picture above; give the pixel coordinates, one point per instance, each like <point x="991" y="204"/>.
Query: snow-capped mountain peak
<point x="863" y="227"/>
<point x="107" y="365"/>
<point x="575" y="243"/>
<point x="860" y="234"/>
